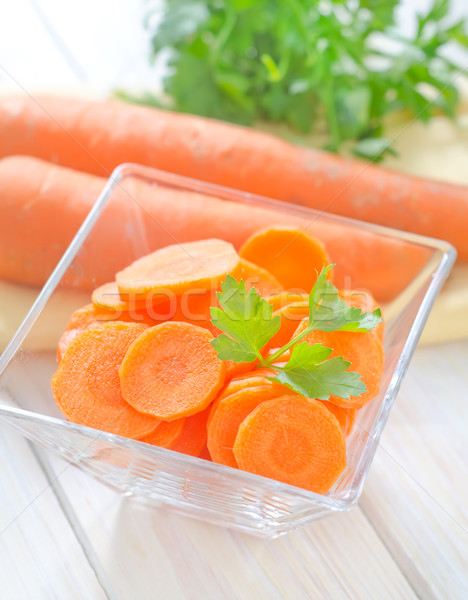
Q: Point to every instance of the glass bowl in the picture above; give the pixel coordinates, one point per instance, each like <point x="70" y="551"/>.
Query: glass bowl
<point x="142" y="209"/>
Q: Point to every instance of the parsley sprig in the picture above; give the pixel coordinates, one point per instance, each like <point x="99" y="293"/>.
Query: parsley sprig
<point x="248" y="324"/>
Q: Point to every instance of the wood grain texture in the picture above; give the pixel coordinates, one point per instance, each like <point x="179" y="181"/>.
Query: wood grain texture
<point x="40" y="557"/>
<point x="144" y="548"/>
<point x="416" y="495"/>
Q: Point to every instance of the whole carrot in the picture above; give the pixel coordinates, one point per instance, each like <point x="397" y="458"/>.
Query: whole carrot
<point x="42" y="206"/>
<point x="97" y="136"/>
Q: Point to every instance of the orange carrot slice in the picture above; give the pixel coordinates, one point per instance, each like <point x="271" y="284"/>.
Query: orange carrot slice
<point x="171" y="371"/>
<point x="86" y="385"/>
<point x="192" y="440"/>
<point x="242" y="382"/>
<point x="345" y="416"/>
<point x="291" y="315"/>
<point x="194" y="306"/>
<point x="205" y="454"/>
<point x="294" y="440"/>
<point x="86" y="317"/>
<point x="107" y="296"/>
<point x="233" y="369"/>
<point x="254" y="276"/>
<point x="92" y="316"/>
<point x="179" y="268"/>
<point x="289" y="254"/>
<point x="363" y="350"/>
<point x="166" y="434"/>
<point x="229" y="414"/>
<point x="277" y="301"/>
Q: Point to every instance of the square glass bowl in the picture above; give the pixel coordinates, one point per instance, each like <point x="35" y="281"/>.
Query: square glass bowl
<point x="142" y="209"/>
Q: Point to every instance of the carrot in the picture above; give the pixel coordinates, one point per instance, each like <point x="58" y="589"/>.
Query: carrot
<point x="86" y="385"/>
<point x="363" y="299"/>
<point x="96" y="137"/>
<point x="166" y="434"/>
<point x="171" y="371"/>
<point x="344" y="416"/>
<point x="229" y="414"/>
<point x="282" y="299"/>
<point x="179" y="268"/>
<point x="205" y="454"/>
<point x="290" y="316"/>
<point x="363" y="350"/>
<point x="192" y="440"/>
<point x="256" y="378"/>
<point x="262" y="372"/>
<point x="193" y="307"/>
<point x="292" y="439"/>
<point x="257" y="277"/>
<point x="91" y="316"/>
<point x="289" y="254"/>
<point x="233" y="369"/>
<point x="86" y="317"/>
<point x="108" y="296"/>
<point x="51" y="195"/>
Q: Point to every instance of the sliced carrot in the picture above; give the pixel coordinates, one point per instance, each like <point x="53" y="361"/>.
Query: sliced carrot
<point x="254" y="276"/>
<point x="107" y="296"/>
<point x="345" y="416"/>
<point x="166" y="434"/>
<point x="205" y="454"/>
<point x="91" y="317"/>
<point x="192" y="440"/>
<point x="194" y="306"/>
<point x="171" y="371"/>
<point x="289" y="254"/>
<point x="255" y="379"/>
<point x="82" y="317"/>
<point x="363" y="350"/>
<point x="364" y="300"/>
<point x="229" y="414"/>
<point x="180" y="267"/>
<point x="262" y="372"/>
<point x="86" y="385"/>
<point x="233" y="369"/>
<point x="86" y="317"/>
<point x="291" y="315"/>
<point x="277" y="301"/>
<point x="65" y="340"/>
<point x="294" y="440"/>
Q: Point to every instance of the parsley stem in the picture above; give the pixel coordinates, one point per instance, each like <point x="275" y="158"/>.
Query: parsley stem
<point x="271" y="359"/>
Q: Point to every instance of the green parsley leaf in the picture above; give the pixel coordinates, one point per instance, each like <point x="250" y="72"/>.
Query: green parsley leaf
<point x="245" y="318"/>
<point x="248" y="324"/>
<point x="309" y="373"/>
<point x="329" y="312"/>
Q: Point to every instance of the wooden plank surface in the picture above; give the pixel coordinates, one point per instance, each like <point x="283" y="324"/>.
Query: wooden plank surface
<point x="40" y="556"/>
<point x="416" y="496"/>
<point x="143" y="548"/>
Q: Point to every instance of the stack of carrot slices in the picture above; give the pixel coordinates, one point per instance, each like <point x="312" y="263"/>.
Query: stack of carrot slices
<point x="138" y="361"/>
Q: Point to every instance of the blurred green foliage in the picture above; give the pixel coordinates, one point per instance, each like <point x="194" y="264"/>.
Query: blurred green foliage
<point x="341" y="64"/>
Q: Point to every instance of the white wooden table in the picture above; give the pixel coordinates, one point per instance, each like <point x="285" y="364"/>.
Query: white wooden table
<point x="64" y="535"/>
